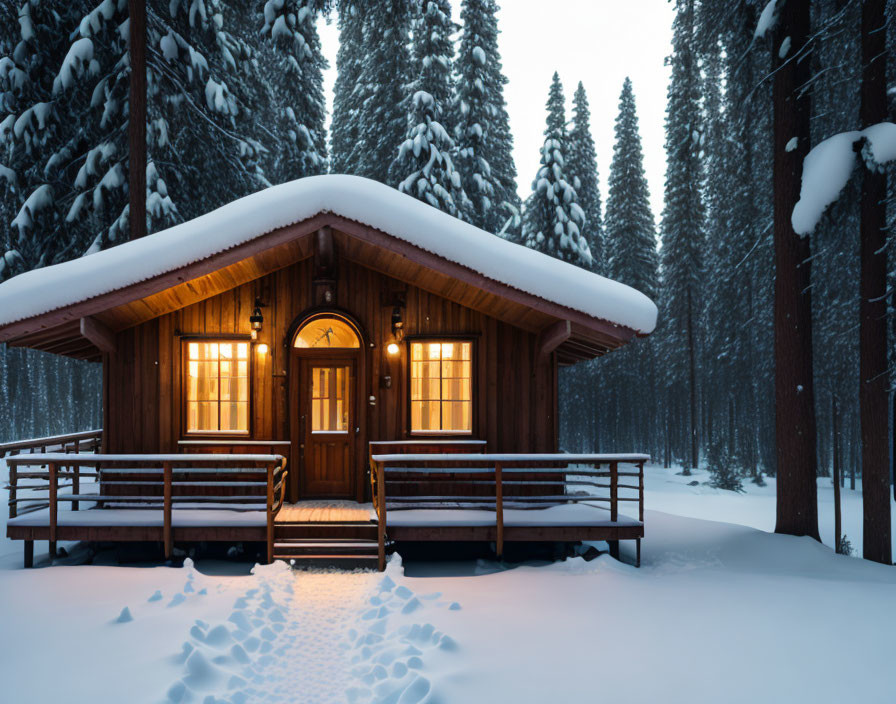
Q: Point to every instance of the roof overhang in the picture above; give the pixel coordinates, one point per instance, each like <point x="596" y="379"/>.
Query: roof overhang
<point x="83" y="329"/>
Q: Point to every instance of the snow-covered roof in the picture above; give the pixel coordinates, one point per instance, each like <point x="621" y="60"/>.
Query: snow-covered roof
<point x="369" y="202"/>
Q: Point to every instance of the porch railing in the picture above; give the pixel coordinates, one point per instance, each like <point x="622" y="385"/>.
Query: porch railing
<point x="503" y="481"/>
<point x="85" y="441"/>
<point x="200" y="481"/>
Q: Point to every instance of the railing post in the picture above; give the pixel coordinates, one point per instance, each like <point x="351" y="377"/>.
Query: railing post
<point x="167" y="536"/>
<point x="76" y="478"/>
<point x="270" y="512"/>
<point x="499" y="511"/>
<point x="13" y="482"/>
<point x="53" y="468"/>
<point x="381" y="515"/>
<point x="614" y="506"/>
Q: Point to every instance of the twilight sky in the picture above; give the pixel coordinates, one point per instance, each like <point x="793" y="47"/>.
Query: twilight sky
<point x="598" y="42"/>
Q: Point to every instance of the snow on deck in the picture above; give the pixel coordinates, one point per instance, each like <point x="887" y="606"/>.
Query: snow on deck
<point x="578" y="514"/>
<point x="369" y="202"/>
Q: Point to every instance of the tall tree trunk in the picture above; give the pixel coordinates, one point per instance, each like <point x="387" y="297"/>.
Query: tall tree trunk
<point x="692" y="364"/>
<point x="137" y="118"/>
<point x="797" y="505"/>
<point x="873" y="381"/>
<point x="835" y="469"/>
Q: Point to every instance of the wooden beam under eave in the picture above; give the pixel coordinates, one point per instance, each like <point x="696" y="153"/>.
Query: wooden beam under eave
<point x="552" y="337"/>
<point x="101" y="336"/>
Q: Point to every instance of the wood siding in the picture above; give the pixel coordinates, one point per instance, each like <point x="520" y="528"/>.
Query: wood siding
<point x="515" y="395"/>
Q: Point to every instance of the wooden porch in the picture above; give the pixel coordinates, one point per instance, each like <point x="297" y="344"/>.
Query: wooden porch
<point x="422" y="490"/>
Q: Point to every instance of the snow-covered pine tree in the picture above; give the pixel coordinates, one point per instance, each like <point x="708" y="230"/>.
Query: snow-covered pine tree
<point x="683" y="230"/>
<point x="63" y="118"/>
<point x="481" y="126"/>
<point x="553" y="219"/>
<point x="204" y="134"/>
<point x="382" y="86"/>
<point x="296" y="77"/>
<point x="423" y="165"/>
<point x="346" y="90"/>
<point x="629" y="229"/>
<point x="582" y="167"/>
<point x="630" y="240"/>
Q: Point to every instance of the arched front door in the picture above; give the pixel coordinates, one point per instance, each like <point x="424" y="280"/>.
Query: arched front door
<point x="324" y="384"/>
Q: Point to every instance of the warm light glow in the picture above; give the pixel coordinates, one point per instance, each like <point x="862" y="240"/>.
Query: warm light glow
<point x="262" y="348"/>
<point x="217" y="387"/>
<point x="442" y="387"/>
<point x="327" y="332"/>
<point x="254" y="334"/>
<point x="392" y="348"/>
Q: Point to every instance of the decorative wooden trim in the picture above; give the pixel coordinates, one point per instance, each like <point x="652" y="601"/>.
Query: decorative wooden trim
<point x="102" y="337"/>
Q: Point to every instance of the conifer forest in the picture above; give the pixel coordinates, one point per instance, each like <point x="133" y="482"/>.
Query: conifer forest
<point x="771" y="358"/>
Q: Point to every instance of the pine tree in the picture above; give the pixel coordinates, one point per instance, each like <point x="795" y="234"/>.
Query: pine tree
<point x="582" y="164"/>
<point x="423" y="166"/>
<point x="683" y="227"/>
<point x="295" y="76"/>
<point x="344" y="125"/>
<point x="63" y="122"/>
<point x="632" y="259"/>
<point x="553" y="219"/>
<point x="629" y="228"/>
<point x="382" y="86"/>
<point x="482" y="131"/>
<point x="208" y="110"/>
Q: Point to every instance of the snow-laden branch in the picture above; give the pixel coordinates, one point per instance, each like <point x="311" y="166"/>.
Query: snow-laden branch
<point x="828" y="166"/>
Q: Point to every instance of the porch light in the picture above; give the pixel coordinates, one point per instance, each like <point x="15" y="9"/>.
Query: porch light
<point x="256" y="320"/>
<point x="392" y="348"/>
<point x="262" y="348"/>
<point x="397" y="324"/>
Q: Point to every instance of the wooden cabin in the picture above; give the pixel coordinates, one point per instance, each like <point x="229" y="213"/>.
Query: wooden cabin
<point x="304" y="324"/>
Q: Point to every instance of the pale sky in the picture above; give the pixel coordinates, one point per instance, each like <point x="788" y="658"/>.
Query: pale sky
<point x="598" y="42"/>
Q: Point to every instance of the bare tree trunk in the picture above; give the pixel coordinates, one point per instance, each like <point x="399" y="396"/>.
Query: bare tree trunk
<point x="137" y="118"/>
<point x="692" y="363"/>
<point x="835" y="469"/>
<point x="797" y="505"/>
<point x="873" y="382"/>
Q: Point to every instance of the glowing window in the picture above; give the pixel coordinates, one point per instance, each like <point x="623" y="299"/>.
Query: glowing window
<point x="218" y="387"/>
<point x="329" y="399"/>
<point x="441" y="387"/>
<point x="327" y="332"/>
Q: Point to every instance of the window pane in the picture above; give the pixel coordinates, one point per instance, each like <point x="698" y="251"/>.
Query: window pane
<point x="330" y="399"/>
<point x="217" y="386"/>
<point x="327" y="332"/>
<point x="456" y="415"/>
<point x="441" y="386"/>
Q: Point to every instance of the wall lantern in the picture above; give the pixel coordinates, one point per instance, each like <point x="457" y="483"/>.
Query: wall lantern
<point x="392" y="348"/>
<point x="256" y="320"/>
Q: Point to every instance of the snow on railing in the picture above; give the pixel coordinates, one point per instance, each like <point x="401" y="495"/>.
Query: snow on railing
<point x="497" y="481"/>
<point x="145" y="481"/>
<point x="84" y="441"/>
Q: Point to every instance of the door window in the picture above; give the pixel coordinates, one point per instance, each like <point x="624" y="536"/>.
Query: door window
<point x="330" y="399"/>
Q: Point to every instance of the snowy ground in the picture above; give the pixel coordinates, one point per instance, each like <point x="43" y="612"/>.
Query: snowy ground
<point x="718" y="612"/>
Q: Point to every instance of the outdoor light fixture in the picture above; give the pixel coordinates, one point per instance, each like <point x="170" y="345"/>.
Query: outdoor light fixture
<point x="392" y="348"/>
<point x="256" y="320"/>
<point x="262" y="349"/>
<point x="397" y="324"/>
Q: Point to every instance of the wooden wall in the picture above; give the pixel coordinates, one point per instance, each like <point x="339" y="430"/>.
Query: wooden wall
<point x="516" y="404"/>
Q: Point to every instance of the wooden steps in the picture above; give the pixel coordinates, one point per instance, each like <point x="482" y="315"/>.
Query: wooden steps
<point x="346" y="545"/>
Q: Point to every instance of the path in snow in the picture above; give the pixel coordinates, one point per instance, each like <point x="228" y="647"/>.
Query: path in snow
<point x="313" y="637"/>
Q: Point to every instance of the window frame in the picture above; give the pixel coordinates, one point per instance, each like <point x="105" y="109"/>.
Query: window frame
<point x="185" y="432"/>
<point x="474" y="387"/>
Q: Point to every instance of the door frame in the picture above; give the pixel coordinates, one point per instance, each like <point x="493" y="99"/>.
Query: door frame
<point x="357" y="440"/>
